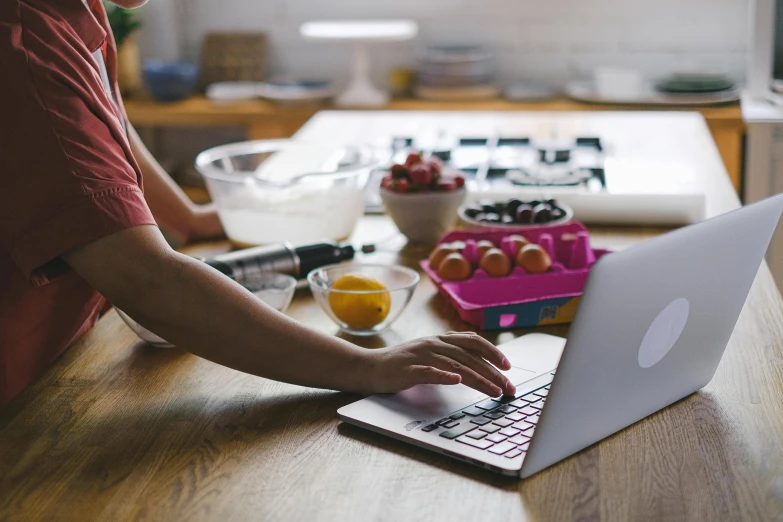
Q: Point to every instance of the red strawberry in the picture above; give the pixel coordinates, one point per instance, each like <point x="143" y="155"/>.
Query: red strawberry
<point x="402" y="186"/>
<point x="421" y="174"/>
<point x="436" y="165"/>
<point x="460" y="181"/>
<point x="386" y="182"/>
<point x="412" y="160"/>
<point x="399" y="171"/>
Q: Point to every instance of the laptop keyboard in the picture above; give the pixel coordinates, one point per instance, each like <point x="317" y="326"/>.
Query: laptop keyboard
<point x="503" y="425"/>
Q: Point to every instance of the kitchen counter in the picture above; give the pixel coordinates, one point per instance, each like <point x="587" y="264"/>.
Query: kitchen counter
<point x="653" y="165"/>
<point x="263" y="119"/>
<point x="118" y="430"/>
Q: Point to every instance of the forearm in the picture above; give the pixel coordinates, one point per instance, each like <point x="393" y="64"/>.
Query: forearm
<point x="194" y="307"/>
<point x="172" y="208"/>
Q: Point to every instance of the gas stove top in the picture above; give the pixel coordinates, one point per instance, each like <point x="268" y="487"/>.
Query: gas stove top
<point x="610" y="168"/>
<point x="518" y="160"/>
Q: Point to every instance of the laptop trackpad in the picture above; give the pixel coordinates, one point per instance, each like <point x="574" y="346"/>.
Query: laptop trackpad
<point x="432" y="400"/>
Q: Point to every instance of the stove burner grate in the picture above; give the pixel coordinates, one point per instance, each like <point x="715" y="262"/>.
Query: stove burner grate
<point x="563" y="178"/>
<point x="519" y="160"/>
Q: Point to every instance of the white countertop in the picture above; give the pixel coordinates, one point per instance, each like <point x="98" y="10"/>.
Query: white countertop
<point x="662" y="153"/>
<point x="760" y="110"/>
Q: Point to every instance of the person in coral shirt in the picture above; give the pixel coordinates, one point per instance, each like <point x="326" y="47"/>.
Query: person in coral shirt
<point x="80" y="199"/>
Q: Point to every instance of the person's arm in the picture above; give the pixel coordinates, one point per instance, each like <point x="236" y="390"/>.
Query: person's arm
<point x="171" y="207"/>
<point x="193" y="306"/>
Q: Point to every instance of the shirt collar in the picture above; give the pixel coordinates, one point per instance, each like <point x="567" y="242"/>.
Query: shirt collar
<point x="86" y="24"/>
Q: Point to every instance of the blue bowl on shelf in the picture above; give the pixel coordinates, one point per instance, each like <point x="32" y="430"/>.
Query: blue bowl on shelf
<point x="170" y="81"/>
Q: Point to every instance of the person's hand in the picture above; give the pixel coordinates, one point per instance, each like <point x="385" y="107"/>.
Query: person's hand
<point x="452" y="358"/>
<point x="204" y="223"/>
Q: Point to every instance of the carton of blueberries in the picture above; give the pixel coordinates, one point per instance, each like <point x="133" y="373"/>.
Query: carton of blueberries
<point x="513" y="277"/>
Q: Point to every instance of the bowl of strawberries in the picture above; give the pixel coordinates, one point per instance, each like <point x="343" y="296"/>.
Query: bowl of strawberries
<point x="422" y="197"/>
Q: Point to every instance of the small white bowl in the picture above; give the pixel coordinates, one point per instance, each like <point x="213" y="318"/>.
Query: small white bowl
<point x="423" y="217"/>
<point x="276" y="290"/>
<point x="144" y="334"/>
<point x="469" y="222"/>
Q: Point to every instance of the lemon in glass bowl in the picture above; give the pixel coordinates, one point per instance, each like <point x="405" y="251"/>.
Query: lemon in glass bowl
<point x="359" y="300"/>
<point x="363" y="299"/>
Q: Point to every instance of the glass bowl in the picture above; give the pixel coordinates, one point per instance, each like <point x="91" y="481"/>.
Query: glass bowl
<point x="276" y="290"/>
<point x="169" y="81"/>
<point x="400" y="282"/>
<point x="273" y="191"/>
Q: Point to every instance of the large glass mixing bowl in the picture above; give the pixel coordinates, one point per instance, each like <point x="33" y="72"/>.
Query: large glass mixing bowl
<point x="271" y="191"/>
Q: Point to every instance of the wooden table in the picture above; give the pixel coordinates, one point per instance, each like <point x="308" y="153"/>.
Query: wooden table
<point x="266" y="120"/>
<point x="117" y="430"/>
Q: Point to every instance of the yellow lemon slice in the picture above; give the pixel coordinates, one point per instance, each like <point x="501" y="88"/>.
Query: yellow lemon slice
<point x="360" y="310"/>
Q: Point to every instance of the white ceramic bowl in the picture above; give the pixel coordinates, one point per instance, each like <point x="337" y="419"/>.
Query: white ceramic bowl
<point x="144" y="334"/>
<point x="424" y="217"/>
<point x="469" y="222"/>
<point x="276" y="290"/>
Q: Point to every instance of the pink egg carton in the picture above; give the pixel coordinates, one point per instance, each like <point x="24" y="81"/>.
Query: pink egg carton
<point x="522" y="299"/>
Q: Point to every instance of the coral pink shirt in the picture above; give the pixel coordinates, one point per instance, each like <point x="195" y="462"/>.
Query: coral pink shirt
<point x="67" y="176"/>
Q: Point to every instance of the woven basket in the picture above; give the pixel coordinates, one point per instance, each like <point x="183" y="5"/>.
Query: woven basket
<point x="233" y="57"/>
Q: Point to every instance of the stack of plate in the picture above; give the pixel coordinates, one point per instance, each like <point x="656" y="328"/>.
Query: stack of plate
<point x="456" y="72"/>
<point x="297" y="90"/>
<point x="281" y="89"/>
<point x="694" y="83"/>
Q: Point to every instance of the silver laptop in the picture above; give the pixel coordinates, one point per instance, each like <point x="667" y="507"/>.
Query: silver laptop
<point x="651" y="328"/>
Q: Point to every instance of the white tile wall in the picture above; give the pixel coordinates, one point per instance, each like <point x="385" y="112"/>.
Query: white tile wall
<point x="553" y="41"/>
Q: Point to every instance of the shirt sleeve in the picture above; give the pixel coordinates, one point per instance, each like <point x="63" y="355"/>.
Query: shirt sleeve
<point x="67" y="175"/>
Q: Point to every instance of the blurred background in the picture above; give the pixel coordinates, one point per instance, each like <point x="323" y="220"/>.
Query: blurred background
<point x="551" y="42"/>
<point x="533" y="50"/>
<point x="200" y="73"/>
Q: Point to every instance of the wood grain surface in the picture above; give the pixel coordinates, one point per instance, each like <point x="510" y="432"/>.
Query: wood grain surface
<point x="118" y="430"/>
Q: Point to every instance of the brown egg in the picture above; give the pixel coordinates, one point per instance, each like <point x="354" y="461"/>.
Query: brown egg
<point x="458" y="246"/>
<point x="518" y="241"/>
<point x="455" y="268"/>
<point x="534" y="259"/>
<point x="483" y="245"/>
<point x="439" y="254"/>
<point x="495" y="263"/>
